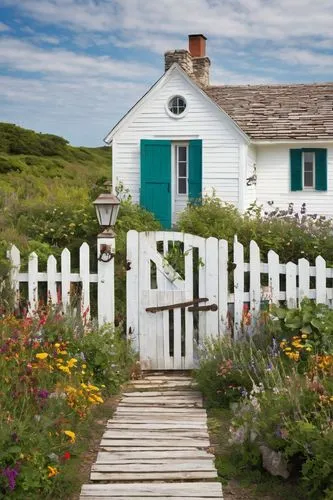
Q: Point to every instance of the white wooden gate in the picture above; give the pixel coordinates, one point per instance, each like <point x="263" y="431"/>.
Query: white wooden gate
<point x="160" y="322"/>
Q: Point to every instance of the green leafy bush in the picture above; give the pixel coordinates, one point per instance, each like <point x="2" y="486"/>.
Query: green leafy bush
<point x="289" y="236"/>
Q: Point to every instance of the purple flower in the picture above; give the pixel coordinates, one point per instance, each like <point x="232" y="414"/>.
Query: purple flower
<point x="43" y="394"/>
<point x="11" y="474"/>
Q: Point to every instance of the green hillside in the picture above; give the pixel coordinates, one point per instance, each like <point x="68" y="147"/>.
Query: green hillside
<point x="46" y="190"/>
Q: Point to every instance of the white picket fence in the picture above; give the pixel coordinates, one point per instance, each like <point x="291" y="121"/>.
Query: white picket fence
<point x="59" y="283"/>
<point x="216" y="283"/>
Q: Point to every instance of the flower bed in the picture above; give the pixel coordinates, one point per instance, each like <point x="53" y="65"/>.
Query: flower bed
<point x="53" y="375"/>
<point x="279" y="385"/>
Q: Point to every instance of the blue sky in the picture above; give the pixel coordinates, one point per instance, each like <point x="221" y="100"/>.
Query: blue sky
<point x="74" y="67"/>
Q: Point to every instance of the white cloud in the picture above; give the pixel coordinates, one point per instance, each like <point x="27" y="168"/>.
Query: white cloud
<point x="251" y="19"/>
<point x="313" y="60"/>
<point x="81" y="109"/>
<point x="223" y="76"/>
<point x="19" y="55"/>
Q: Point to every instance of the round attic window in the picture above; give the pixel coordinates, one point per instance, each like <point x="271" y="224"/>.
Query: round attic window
<point x="177" y="105"/>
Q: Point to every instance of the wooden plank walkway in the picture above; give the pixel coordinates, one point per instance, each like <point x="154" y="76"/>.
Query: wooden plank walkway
<point x="156" y="446"/>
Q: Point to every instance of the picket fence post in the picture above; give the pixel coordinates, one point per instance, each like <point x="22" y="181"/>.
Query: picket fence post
<point x="238" y="287"/>
<point x="15" y="260"/>
<point x="105" y="277"/>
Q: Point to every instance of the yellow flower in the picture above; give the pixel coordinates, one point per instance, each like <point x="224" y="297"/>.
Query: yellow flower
<point x="71" y="435"/>
<point x="53" y="471"/>
<point x="98" y="399"/>
<point x="42" y="355"/>
<point x="62" y="352"/>
<point x="84" y="366"/>
<point x="57" y="345"/>
<point x="304" y="336"/>
<point x="93" y="388"/>
<point x="64" y="369"/>
<point x="71" y="362"/>
<point x="309" y="349"/>
<point x="288" y="349"/>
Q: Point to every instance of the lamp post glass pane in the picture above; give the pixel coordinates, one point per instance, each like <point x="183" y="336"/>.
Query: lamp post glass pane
<point x="107" y="207"/>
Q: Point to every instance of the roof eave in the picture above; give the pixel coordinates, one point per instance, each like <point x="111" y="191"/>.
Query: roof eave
<point x="292" y="141"/>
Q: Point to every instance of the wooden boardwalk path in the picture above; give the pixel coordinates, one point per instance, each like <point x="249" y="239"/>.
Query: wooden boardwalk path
<point x="156" y="446"/>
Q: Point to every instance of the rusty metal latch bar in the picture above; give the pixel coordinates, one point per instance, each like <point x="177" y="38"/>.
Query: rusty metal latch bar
<point x="176" y="306"/>
<point x="211" y="307"/>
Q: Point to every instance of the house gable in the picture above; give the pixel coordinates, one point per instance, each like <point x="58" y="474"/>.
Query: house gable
<point x="222" y="141"/>
<point x="175" y="71"/>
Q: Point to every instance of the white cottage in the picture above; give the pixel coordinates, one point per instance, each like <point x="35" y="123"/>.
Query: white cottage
<point x="248" y="143"/>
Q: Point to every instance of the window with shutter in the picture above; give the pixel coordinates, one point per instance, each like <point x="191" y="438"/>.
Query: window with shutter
<point x="308" y="169"/>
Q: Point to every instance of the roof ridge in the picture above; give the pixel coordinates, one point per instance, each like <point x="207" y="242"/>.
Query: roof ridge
<point x="247" y="85"/>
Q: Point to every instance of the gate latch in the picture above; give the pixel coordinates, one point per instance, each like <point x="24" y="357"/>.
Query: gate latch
<point x="175" y="306"/>
<point x="211" y="307"/>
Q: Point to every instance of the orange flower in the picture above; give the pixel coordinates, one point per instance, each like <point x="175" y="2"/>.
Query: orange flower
<point x="53" y="471"/>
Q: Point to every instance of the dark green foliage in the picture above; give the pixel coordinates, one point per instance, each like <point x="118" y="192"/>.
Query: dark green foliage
<point x="17" y="140"/>
<point x="290" y="236"/>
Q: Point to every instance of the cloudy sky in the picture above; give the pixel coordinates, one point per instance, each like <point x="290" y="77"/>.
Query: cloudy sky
<point x="74" y="67"/>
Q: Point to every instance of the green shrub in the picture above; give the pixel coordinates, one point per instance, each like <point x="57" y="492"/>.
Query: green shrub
<point x="289" y="236"/>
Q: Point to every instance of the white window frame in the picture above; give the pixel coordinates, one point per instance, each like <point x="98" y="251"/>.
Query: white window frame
<point x="176" y="149"/>
<point x="172" y="115"/>
<point x="313" y="187"/>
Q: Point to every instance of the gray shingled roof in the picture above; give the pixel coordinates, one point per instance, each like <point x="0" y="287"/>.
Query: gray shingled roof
<point x="300" y="111"/>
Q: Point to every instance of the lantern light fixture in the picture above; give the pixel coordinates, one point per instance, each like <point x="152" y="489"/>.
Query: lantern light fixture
<point x="107" y="208"/>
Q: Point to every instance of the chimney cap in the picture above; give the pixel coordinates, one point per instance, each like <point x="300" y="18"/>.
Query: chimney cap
<point x="197" y="35"/>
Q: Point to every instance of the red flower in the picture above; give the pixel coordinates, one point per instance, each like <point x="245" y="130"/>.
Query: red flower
<point x="66" y="455"/>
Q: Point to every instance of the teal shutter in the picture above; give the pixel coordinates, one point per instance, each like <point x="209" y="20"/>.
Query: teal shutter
<point x="155" y="173"/>
<point x="296" y="170"/>
<point x="321" y="169"/>
<point x="195" y="171"/>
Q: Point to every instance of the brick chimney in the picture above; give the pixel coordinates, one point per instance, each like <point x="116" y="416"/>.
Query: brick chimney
<point x="193" y="61"/>
<point x="200" y="62"/>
